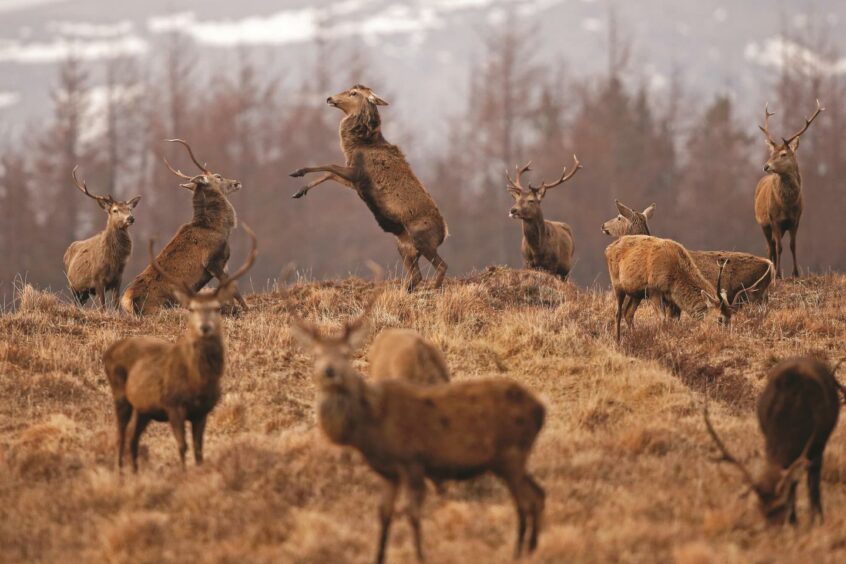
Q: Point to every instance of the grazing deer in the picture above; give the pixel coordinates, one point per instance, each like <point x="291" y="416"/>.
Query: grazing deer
<point x="408" y="432"/>
<point x="406" y="355"/>
<point x="155" y="380"/>
<point x="641" y="266"/>
<point x="778" y="196"/>
<point x="198" y="251"/>
<point x="381" y="176"/>
<point x="746" y="277"/>
<point x="95" y="265"/>
<point x="547" y="245"/>
<point x="797" y="411"/>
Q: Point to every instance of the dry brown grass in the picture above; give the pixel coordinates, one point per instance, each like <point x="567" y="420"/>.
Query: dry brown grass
<point x="623" y="456"/>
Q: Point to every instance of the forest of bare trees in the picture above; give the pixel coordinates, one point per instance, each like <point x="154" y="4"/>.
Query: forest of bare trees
<point x="689" y="152"/>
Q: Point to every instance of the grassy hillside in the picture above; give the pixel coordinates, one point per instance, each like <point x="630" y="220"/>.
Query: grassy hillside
<point x="624" y="456"/>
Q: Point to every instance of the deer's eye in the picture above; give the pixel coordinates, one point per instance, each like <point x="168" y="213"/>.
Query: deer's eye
<point x="353" y="93"/>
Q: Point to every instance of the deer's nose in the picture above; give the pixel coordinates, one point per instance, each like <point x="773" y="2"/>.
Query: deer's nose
<point x="206" y="328"/>
<point x="767" y="168"/>
<point x="130" y="220"/>
<point x="329" y="372"/>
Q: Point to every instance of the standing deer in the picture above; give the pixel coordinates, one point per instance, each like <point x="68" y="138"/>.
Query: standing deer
<point x="95" y="265"/>
<point x="797" y="411"/>
<point x="746" y="277"/>
<point x="381" y="176"/>
<point x="408" y="432"/>
<point x="641" y="266"/>
<point x="547" y="245"/>
<point x="198" y="251"/>
<point x="155" y="380"/>
<point x="778" y="196"/>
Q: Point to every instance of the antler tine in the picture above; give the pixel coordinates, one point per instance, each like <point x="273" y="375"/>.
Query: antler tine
<point x="808" y="121"/>
<point x="172" y="280"/>
<point x="564" y="176"/>
<point x="766" y="127"/>
<point x="521" y="170"/>
<point x="83" y="187"/>
<point x="250" y="259"/>
<point x="175" y="171"/>
<point x="720" y="280"/>
<point x="191" y="153"/>
<point x="355" y="323"/>
<point x="726" y="455"/>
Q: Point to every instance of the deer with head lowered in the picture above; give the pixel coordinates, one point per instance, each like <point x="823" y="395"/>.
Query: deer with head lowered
<point x="778" y="196"/>
<point x="95" y="265"/>
<point x="198" y="251"/>
<point x="797" y="411"/>
<point x="381" y="176"/>
<point x="746" y="278"/>
<point x="155" y="380"/>
<point x="408" y="432"/>
<point x="547" y="245"/>
<point x="641" y="266"/>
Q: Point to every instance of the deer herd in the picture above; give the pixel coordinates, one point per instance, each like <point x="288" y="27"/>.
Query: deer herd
<point x="409" y="420"/>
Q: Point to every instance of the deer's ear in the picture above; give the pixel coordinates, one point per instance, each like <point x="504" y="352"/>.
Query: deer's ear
<point x="624" y="210"/>
<point x="105" y="204"/>
<point x="374" y="99"/>
<point x="226" y="292"/>
<point x="357" y="335"/>
<point x="649" y="211"/>
<point x="304" y="333"/>
<point x="134" y="201"/>
<point x="794" y="145"/>
<point x="183" y="298"/>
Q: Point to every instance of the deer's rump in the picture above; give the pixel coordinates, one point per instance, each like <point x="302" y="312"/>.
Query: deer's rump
<point x="392" y="192"/>
<point x="189" y="256"/>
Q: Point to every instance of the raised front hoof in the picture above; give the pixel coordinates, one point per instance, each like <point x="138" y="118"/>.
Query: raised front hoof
<point x="298" y="173"/>
<point x="302" y="192"/>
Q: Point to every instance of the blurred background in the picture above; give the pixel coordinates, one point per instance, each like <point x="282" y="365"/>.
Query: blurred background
<point x="660" y="100"/>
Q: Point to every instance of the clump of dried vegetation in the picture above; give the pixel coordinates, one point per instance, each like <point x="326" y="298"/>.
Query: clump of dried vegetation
<point x="624" y="455"/>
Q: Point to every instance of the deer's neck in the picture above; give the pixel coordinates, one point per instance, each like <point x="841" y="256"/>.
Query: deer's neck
<point x="360" y="129"/>
<point x="206" y="359"/>
<point x="789" y="184"/>
<point x="344" y="413"/>
<point x="213" y="210"/>
<point x="118" y="244"/>
<point x="534" y="231"/>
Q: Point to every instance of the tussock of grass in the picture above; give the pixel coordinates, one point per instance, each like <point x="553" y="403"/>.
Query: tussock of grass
<point x="623" y="456"/>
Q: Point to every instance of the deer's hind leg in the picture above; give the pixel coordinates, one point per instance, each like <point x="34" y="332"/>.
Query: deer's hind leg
<point x="410" y="261"/>
<point x="794" y="230"/>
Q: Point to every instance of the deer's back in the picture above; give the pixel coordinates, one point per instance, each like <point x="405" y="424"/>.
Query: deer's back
<point x="391" y="189"/>
<point x="455" y="430"/>
<point x="800" y="401"/>
<point x="187" y="256"/>
<point x="405" y="354"/>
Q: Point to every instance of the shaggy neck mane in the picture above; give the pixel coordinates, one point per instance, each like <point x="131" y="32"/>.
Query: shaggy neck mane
<point x="212" y="210"/>
<point x="789" y="184"/>
<point x="362" y="128"/>
<point x="534" y="230"/>
<point x="207" y="355"/>
<point x="118" y="244"/>
<point x="342" y="410"/>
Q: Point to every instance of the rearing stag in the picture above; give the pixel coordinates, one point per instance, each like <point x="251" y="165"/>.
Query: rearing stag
<point x="198" y="250"/>
<point x="382" y="177"/>
<point x="547" y="245"/>
<point x="778" y="196"/>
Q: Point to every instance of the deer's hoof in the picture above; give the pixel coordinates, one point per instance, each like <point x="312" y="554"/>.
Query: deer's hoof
<point x="297" y="173"/>
<point x="301" y="193"/>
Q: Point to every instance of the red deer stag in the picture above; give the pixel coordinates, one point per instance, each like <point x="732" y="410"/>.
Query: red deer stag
<point x="746" y="277"/>
<point x="95" y="265"/>
<point x="408" y="432"/>
<point x="778" y="196"/>
<point x="797" y="411"/>
<point x="155" y="380"/>
<point x="547" y="245"/>
<point x="198" y="251"/>
<point x="381" y="176"/>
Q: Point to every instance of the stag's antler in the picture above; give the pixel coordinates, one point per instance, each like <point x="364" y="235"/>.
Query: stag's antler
<point x="175" y="171"/>
<point x="564" y="178"/>
<point x="726" y="455"/>
<point x="819" y="110"/>
<point x="191" y="153"/>
<point x="721" y="294"/>
<point x="83" y="187"/>
<point x="251" y="259"/>
<point x="766" y="127"/>
<point x="516" y="187"/>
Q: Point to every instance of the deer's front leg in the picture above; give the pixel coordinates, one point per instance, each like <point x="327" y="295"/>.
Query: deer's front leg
<point x="328" y="176"/>
<point x="345" y="172"/>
